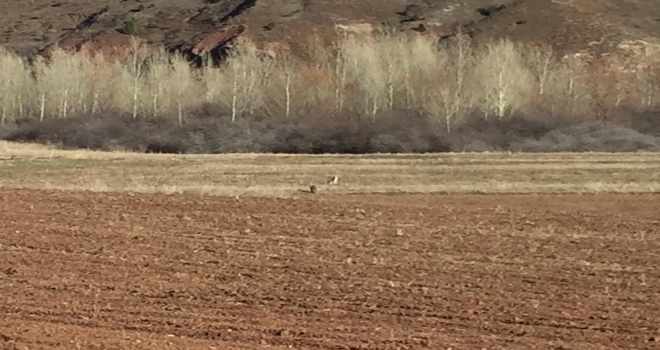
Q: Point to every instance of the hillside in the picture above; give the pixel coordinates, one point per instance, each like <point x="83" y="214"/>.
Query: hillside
<point x="573" y="25"/>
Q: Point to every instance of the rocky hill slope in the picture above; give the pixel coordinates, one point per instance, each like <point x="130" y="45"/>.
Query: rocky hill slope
<point x="202" y="25"/>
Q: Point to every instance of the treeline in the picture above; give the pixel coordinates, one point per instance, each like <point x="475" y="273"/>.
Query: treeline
<point x="386" y="93"/>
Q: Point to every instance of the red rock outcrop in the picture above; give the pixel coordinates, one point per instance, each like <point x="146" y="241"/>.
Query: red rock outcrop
<point x="215" y="39"/>
<point x="110" y="45"/>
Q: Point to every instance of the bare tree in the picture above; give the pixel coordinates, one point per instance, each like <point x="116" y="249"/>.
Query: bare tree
<point x="14" y="84"/>
<point x="505" y="79"/>
<point x="182" y="86"/>
<point x="392" y="49"/>
<point x="365" y="67"/>
<point x="568" y="88"/>
<point x="137" y="60"/>
<point x="283" y="82"/>
<point x="541" y="61"/>
<point x="420" y="70"/>
<point x="454" y="95"/>
<point x="57" y="81"/>
<point x="648" y="79"/>
<point x="245" y="73"/>
<point x="158" y="81"/>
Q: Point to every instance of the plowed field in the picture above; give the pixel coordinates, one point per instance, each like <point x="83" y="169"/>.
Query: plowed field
<point x="83" y="270"/>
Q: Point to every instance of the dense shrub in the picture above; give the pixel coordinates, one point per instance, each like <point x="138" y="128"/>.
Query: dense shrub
<point x="387" y="135"/>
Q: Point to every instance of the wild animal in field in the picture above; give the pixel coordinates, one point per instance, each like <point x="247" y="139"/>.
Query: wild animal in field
<point x="333" y="180"/>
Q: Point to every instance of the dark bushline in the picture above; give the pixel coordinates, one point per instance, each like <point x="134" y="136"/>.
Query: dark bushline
<point x="400" y="132"/>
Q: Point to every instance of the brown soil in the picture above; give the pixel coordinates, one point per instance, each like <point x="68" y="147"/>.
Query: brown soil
<point x="118" y="271"/>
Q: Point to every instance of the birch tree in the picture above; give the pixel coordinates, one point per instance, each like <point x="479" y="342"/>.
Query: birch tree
<point x="453" y="94"/>
<point x="283" y="84"/>
<point x="540" y="60"/>
<point x="571" y="94"/>
<point x="15" y="82"/>
<point x="504" y="78"/>
<point x="365" y="67"/>
<point x="136" y="64"/>
<point x="647" y="75"/>
<point x="244" y="73"/>
<point x="182" y="86"/>
<point x="158" y="82"/>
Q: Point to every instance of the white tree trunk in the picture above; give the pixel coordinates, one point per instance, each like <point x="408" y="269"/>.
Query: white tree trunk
<point x="42" y="106"/>
<point x="288" y="94"/>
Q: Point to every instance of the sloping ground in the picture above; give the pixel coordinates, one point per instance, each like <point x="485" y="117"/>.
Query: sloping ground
<point x="105" y="271"/>
<point x="71" y="23"/>
<point x="597" y="25"/>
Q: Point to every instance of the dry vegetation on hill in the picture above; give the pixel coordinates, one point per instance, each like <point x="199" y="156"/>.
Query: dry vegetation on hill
<point x="385" y="93"/>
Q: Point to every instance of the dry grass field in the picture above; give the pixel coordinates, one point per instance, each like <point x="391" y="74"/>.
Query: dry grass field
<point x="33" y="166"/>
<point x="347" y="268"/>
